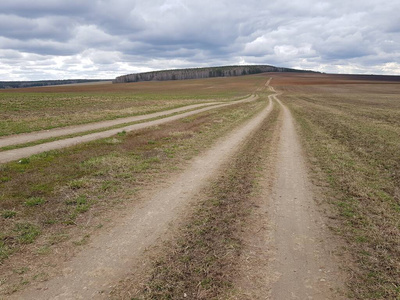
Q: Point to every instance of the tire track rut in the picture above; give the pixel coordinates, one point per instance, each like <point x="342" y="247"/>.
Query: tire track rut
<point x="115" y="253"/>
<point x="11" y="155"/>
<point x="303" y="265"/>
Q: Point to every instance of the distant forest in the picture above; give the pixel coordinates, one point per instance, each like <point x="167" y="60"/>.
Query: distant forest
<point x="25" y="84"/>
<point x="196" y="73"/>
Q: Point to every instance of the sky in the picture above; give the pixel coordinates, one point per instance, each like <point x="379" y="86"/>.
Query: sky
<point x="54" y="39"/>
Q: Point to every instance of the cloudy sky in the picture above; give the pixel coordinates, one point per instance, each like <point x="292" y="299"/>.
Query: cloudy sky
<point x="60" y="39"/>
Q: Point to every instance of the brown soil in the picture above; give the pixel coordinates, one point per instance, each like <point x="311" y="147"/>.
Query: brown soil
<point x="57" y="132"/>
<point x="292" y="236"/>
<point x="112" y="255"/>
<point x="289" y="252"/>
<point x="10" y="155"/>
<point x="304" y="265"/>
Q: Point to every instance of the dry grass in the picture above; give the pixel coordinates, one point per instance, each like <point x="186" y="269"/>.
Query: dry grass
<point x="202" y="260"/>
<point x="55" y="200"/>
<point x="352" y="133"/>
<point x="32" y="109"/>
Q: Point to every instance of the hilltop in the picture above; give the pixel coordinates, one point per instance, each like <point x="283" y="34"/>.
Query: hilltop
<point x="196" y="73"/>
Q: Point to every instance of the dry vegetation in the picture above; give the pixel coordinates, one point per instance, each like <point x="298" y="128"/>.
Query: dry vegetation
<point x="31" y="109"/>
<point x="202" y="260"/>
<point x="352" y="134"/>
<point x="53" y="201"/>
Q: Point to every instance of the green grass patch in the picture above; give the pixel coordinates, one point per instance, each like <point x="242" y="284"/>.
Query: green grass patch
<point x="26" y="232"/>
<point x="34" y="201"/>
<point x="8" y="214"/>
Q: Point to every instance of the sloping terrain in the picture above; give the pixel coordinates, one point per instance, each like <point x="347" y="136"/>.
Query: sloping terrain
<point x="293" y="195"/>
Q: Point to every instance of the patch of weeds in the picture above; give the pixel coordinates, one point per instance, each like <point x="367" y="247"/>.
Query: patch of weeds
<point x="8" y="214"/>
<point x="34" y="201"/>
<point x="5" y="250"/>
<point x="71" y="219"/>
<point x="77" y="184"/>
<point x="26" y="232"/>
<point x="83" y="241"/>
<point x="122" y="133"/>
<point x="108" y="185"/>
<point x="50" y="221"/>
<point x="82" y="205"/>
<point x="5" y="179"/>
<point x="41" y="188"/>
<point x="24" y="161"/>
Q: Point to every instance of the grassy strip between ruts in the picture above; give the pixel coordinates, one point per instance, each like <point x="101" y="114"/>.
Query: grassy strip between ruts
<point x="359" y="160"/>
<point x="52" y="201"/>
<point x="201" y="262"/>
<point x="27" y="110"/>
<point x="38" y="142"/>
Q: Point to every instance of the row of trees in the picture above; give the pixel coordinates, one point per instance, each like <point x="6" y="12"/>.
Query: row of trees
<point x="24" y="84"/>
<point x="197" y="73"/>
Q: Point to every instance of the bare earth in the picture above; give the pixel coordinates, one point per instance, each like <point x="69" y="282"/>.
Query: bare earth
<point x="10" y="155"/>
<point x="297" y="248"/>
<point x="303" y="265"/>
<point x="113" y="254"/>
<point x="288" y="252"/>
<point x="57" y="132"/>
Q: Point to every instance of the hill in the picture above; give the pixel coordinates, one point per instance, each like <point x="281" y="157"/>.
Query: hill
<point x="196" y="73"/>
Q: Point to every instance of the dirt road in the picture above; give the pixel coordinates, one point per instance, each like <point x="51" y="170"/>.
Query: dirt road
<point x="303" y="266"/>
<point x="296" y="244"/>
<point x="10" y="155"/>
<point x="57" y="132"/>
<point x="113" y="254"/>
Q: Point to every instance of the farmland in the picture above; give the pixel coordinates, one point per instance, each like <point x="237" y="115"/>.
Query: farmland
<point x="211" y="204"/>
<point x="32" y="109"/>
<point x="58" y="198"/>
<point x="352" y="132"/>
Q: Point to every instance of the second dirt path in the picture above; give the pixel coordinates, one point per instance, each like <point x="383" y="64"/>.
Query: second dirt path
<point x="11" y="155"/>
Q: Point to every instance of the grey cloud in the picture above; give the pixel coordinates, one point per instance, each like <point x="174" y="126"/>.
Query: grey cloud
<point x="40" y="8"/>
<point x="144" y="35"/>
<point x="22" y="28"/>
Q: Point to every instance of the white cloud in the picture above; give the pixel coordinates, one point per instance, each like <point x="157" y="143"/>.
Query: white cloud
<point x="47" y="39"/>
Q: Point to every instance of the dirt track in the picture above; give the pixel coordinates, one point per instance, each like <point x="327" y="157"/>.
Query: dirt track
<point x="301" y="267"/>
<point x="10" y="155"/>
<point x="57" y="132"/>
<point x="107" y="260"/>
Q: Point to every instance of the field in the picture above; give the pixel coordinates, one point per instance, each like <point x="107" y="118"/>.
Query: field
<point x="351" y="130"/>
<point x="57" y="197"/>
<point x="190" y="208"/>
<point x="31" y="109"/>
